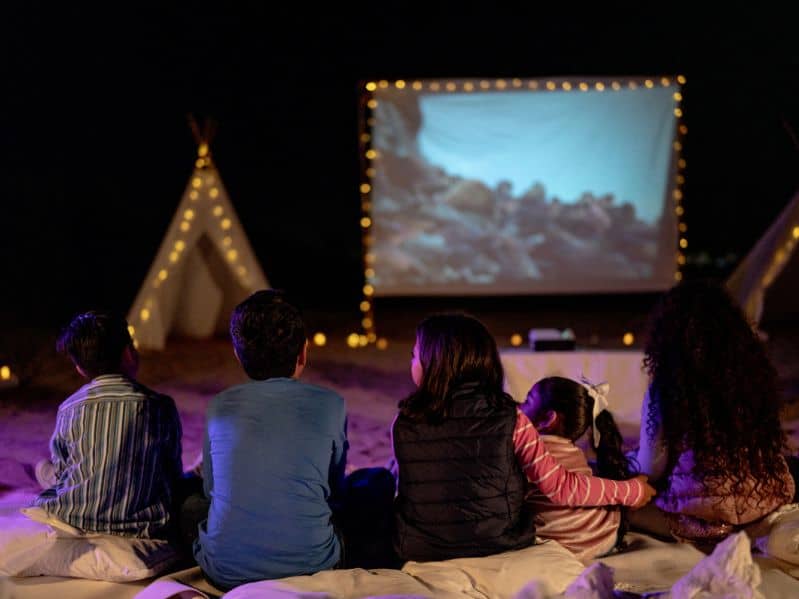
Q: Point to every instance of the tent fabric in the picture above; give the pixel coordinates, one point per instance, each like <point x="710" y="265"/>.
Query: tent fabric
<point x="204" y="267"/>
<point x="759" y="276"/>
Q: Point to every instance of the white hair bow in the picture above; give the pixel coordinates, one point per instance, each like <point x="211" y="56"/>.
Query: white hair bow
<point x="599" y="393"/>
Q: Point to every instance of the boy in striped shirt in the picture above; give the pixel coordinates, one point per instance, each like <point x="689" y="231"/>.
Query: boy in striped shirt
<point x="116" y="449"/>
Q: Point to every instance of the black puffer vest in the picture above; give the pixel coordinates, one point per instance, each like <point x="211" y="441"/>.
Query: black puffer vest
<point x="461" y="492"/>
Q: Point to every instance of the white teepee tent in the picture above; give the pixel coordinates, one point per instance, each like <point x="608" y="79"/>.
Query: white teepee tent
<point x="204" y="267"/>
<point x="769" y="275"/>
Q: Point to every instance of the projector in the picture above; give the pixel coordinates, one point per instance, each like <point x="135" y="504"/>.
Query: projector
<point x="551" y="340"/>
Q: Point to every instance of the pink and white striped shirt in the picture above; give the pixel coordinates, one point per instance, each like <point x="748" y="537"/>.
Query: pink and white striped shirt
<point x="559" y="485"/>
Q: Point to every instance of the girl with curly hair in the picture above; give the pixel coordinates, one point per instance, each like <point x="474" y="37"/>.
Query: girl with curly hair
<point x="710" y="428"/>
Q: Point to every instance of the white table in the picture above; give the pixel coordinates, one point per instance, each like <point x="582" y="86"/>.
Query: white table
<point x="622" y="369"/>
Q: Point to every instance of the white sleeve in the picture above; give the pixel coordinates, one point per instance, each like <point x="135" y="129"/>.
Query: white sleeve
<point x="652" y="453"/>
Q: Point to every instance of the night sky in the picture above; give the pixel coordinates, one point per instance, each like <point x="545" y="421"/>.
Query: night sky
<point x="95" y="149"/>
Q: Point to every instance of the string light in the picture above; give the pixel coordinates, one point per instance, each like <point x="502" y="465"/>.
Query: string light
<point x="451" y="87"/>
<point x="370" y="172"/>
<point x="218" y="211"/>
<point x="681" y="163"/>
<point x="649" y="84"/>
<point x="196" y="182"/>
<point x="683" y="129"/>
<point x="677" y="96"/>
<point x="369" y="272"/>
<point x="352" y="340"/>
<point x="180" y="245"/>
<point x="366" y="222"/>
<point x="484" y="84"/>
<point x="225" y="224"/>
<point x="368" y="290"/>
<point x="550" y="85"/>
<point x="372" y="104"/>
<point x="232" y="255"/>
<point x="320" y="339"/>
<point x="677" y="146"/>
<point x="628" y="339"/>
<point x="131" y="330"/>
<point x="173" y="256"/>
<point x="365" y="137"/>
<point x="367" y="323"/>
<point x="382" y="343"/>
<point x="365" y="306"/>
<point x="516" y="340"/>
<point x="665" y="81"/>
<point x="144" y="315"/>
<point x="365" y="188"/>
<point x="517" y="83"/>
<point x="678" y="276"/>
<point x="435" y="86"/>
<point x="677" y="194"/>
<point x="566" y="85"/>
<point x="5" y="373"/>
<point x="680" y="79"/>
<point x="383" y="84"/>
<point x="189" y="214"/>
<point x="371" y="154"/>
<point x="682" y="227"/>
<point x="242" y="271"/>
<point x="795" y="233"/>
<point x="678" y="112"/>
<point x="227" y="241"/>
<point x="600" y="86"/>
<point x="501" y="84"/>
<point x="163" y="274"/>
<point x="417" y="85"/>
<point x="185" y="226"/>
<point x="363" y="340"/>
<point x="680" y="259"/>
<point x="532" y="84"/>
<point x="213" y="192"/>
<point x="616" y="85"/>
<point x="399" y="84"/>
<point x="683" y="243"/>
<point x="632" y="85"/>
<point x="371" y="86"/>
<point x="193" y="195"/>
<point x="468" y="86"/>
<point x="583" y="86"/>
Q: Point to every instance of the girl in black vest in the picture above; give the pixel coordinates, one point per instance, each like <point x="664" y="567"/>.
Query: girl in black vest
<point x="461" y="443"/>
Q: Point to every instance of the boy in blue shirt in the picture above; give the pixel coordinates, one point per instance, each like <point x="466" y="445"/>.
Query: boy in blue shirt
<point x="274" y="456"/>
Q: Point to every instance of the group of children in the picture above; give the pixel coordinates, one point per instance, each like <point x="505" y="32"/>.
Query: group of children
<point x="476" y="473"/>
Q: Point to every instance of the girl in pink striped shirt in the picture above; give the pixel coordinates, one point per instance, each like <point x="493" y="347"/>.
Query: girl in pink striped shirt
<point x="463" y="449"/>
<point x="564" y="411"/>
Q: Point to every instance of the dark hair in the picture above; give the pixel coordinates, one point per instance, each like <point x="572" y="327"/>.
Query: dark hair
<point x="714" y="389"/>
<point x="268" y="334"/>
<point x="454" y="349"/>
<point x="574" y="407"/>
<point x="95" y="342"/>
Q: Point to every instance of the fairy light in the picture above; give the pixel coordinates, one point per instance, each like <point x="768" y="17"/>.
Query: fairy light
<point x="365" y="138"/>
<point x="227" y="241"/>
<point x="600" y="86"/>
<point x="131" y="330"/>
<point x="144" y="315"/>
<point x="399" y="84"/>
<point x="616" y="86"/>
<point x="468" y="86"/>
<point x="371" y="86"/>
<point x="681" y="259"/>
<point x="678" y="276"/>
<point x="352" y="340"/>
<point x="232" y="255"/>
<point x="196" y="182"/>
<point x="516" y="340"/>
<point x="795" y="232"/>
<point x="371" y="172"/>
<point x="368" y="290"/>
<point x="193" y="195"/>
<point x="417" y="85"/>
<point x="189" y="214"/>
<point x="628" y="339"/>
<point x="501" y="84"/>
<point x="683" y="242"/>
<point x="678" y="112"/>
<point x="371" y="154"/>
<point x="173" y="257"/>
<point x="363" y="340"/>
<point x="382" y="343"/>
<point x="213" y="192"/>
<point x="677" y="146"/>
<point x="225" y="224"/>
<point x="435" y="86"/>
<point x="484" y="84"/>
<point x="185" y="226"/>
<point x="682" y="227"/>
<point x="180" y="245"/>
<point x="451" y="87"/>
<point x="365" y="306"/>
<point x="649" y="84"/>
<point x="369" y="272"/>
<point x="550" y="85"/>
<point x="199" y="163"/>
<point x="365" y="188"/>
<point x="163" y="274"/>
<point x="677" y="96"/>
<point x="218" y="211"/>
<point x="683" y="129"/>
<point x="320" y="339"/>
<point x="209" y="180"/>
<point x="665" y="81"/>
<point x="372" y="104"/>
<point x="532" y="84"/>
<point x="680" y="79"/>
<point x="566" y="85"/>
<point x="681" y="163"/>
<point x="516" y="83"/>
<point x="367" y="323"/>
<point x="382" y="84"/>
<point x="583" y="86"/>
<point x="366" y="222"/>
<point x="632" y="85"/>
<point x="677" y="195"/>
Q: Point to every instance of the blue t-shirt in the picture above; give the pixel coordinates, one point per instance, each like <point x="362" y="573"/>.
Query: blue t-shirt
<point x="274" y="452"/>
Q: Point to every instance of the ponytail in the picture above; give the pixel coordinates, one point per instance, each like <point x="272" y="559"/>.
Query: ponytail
<point x="610" y="459"/>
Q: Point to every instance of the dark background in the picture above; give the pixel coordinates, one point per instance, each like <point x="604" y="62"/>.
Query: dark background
<point x="95" y="150"/>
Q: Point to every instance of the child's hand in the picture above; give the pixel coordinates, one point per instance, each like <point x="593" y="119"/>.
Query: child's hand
<point x="647" y="492"/>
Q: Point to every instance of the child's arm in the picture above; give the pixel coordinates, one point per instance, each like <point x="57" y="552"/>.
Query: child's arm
<point x="564" y="487"/>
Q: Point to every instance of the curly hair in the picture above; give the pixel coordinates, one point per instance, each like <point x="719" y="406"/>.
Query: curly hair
<point x="714" y="391"/>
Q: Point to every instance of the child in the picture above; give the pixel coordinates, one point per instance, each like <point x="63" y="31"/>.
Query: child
<point x="274" y="456"/>
<point x="563" y="411"/>
<point x="463" y="448"/>
<point x="710" y="428"/>
<point x="116" y="453"/>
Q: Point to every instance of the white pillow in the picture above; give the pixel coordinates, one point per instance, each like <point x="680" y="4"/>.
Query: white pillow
<point x="35" y="544"/>
<point x="501" y="575"/>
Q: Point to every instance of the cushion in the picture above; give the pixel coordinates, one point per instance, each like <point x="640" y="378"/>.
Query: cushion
<point x="36" y="544"/>
<point x="502" y="575"/>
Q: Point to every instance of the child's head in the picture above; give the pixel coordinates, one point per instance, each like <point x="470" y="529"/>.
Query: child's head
<point x="563" y="407"/>
<point x="268" y="336"/>
<point x="713" y="388"/>
<point x="99" y="343"/>
<point x="559" y="406"/>
<point x="450" y="350"/>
